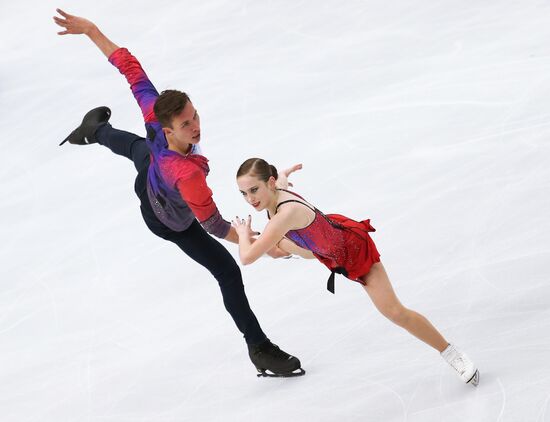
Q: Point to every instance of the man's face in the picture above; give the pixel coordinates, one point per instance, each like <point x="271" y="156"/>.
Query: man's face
<point x="185" y="129"/>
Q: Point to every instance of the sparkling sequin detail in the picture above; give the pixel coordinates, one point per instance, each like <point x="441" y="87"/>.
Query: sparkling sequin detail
<point x="337" y="241"/>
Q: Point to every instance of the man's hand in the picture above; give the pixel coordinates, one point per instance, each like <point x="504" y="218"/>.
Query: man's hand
<point x="276" y="252"/>
<point x="282" y="180"/>
<point x="74" y="25"/>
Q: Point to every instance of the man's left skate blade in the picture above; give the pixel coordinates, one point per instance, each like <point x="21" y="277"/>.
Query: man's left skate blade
<point x="268" y="374"/>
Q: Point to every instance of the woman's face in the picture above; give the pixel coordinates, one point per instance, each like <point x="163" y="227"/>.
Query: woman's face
<point x="256" y="192"/>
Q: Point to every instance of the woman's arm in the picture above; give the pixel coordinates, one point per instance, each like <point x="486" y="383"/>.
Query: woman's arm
<point x="249" y="249"/>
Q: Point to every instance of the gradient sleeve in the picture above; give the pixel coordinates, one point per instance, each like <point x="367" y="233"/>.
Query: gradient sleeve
<point x="142" y="88"/>
<point x="198" y="196"/>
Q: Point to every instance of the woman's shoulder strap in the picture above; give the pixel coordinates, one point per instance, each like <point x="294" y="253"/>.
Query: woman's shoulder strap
<point x="293" y="200"/>
<point x="292" y="193"/>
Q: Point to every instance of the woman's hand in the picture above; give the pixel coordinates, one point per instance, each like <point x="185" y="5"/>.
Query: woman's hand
<point x="282" y="180"/>
<point x="242" y="227"/>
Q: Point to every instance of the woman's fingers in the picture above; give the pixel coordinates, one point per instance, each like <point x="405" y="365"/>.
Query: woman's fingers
<point x="238" y="221"/>
<point x="295" y="167"/>
<point x="62" y="13"/>
<point x="292" y="169"/>
<point x="60" y="22"/>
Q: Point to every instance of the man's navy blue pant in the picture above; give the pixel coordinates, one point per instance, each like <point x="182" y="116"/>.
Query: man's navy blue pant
<point x="194" y="241"/>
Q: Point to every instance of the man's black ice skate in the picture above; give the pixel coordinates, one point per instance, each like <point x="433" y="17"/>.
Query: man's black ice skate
<point x="85" y="133"/>
<point x="270" y="361"/>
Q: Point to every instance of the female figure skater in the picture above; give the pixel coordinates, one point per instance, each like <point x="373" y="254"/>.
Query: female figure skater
<point x="342" y="244"/>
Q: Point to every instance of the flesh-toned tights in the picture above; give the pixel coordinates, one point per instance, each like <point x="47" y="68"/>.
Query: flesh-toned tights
<point x="381" y="292"/>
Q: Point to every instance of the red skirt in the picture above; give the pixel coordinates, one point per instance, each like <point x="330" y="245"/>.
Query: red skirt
<point x="359" y="251"/>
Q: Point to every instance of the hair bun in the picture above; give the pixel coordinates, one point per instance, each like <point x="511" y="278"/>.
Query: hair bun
<point x="273" y="171"/>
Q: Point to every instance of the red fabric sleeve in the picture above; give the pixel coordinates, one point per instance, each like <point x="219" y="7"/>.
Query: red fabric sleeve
<point x="142" y="88"/>
<point x="194" y="190"/>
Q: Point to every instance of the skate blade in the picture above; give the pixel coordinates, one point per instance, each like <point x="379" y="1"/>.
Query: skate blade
<point x="263" y="373"/>
<point x="69" y="137"/>
<point x="475" y="379"/>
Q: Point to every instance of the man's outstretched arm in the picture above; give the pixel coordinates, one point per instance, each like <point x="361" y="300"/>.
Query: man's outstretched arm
<point x="142" y="88"/>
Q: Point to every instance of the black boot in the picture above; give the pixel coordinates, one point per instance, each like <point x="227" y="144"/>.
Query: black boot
<point x="85" y="133"/>
<point x="270" y="361"/>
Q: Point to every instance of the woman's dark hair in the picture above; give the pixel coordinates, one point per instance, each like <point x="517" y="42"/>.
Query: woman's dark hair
<point x="169" y="104"/>
<point x="259" y="168"/>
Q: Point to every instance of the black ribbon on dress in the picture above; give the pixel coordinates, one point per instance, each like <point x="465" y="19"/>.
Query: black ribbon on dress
<point x="330" y="282"/>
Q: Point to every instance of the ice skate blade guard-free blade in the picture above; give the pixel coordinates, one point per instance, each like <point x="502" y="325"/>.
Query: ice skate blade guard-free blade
<point x="268" y="374"/>
<point x="475" y="379"/>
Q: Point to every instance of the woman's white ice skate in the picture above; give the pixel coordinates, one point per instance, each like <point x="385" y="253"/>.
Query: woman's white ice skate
<point x="462" y="364"/>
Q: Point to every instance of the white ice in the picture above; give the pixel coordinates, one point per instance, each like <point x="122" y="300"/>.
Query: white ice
<point x="432" y="118"/>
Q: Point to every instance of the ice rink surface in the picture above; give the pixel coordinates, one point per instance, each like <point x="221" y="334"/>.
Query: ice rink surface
<point x="430" y="118"/>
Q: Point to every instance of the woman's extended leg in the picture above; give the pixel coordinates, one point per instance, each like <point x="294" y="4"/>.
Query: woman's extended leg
<point x="380" y="290"/>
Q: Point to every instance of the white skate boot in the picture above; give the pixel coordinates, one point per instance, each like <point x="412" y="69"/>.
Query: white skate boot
<point x="462" y="364"/>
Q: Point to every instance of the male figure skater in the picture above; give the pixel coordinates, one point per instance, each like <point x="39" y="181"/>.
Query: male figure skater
<point x="171" y="185"/>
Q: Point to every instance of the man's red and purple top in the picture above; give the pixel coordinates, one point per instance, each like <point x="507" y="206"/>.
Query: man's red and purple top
<point x="176" y="184"/>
